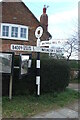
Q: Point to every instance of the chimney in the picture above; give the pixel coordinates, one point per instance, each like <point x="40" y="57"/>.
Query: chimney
<point x="44" y="10"/>
<point x="44" y="19"/>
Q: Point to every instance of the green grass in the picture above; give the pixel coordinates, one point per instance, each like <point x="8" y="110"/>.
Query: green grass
<point x="29" y="105"/>
<point x="75" y="81"/>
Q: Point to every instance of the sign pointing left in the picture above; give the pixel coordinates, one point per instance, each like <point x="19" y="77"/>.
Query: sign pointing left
<point x="16" y="47"/>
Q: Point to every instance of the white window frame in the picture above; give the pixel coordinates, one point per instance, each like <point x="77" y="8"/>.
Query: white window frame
<point x="5" y="30"/>
<point x="10" y="28"/>
<point x="21" y="32"/>
<point x="14" y="32"/>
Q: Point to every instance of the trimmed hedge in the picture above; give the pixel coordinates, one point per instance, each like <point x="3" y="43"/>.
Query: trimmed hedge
<point x="54" y="77"/>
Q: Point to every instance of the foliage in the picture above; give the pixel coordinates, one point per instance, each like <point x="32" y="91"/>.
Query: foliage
<point x="54" y="77"/>
<point x="74" y="64"/>
<point x="75" y="81"/>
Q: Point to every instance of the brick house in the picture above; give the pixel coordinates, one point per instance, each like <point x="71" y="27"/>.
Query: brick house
<point x="18" y="26"/>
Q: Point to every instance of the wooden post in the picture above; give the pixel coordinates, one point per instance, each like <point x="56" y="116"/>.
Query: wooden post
<point x="10" y="88"/>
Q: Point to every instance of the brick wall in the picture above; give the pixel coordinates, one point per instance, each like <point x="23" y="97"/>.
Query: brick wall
<point x="18" y="13"/>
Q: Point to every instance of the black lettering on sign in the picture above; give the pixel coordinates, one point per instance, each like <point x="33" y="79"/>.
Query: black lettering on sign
<point x="42" y="49"/>
<point x="13" y="47"/>
<point x="16" y="47"/>
<point x="29" y="48"/>
<point x="47" y="50"/>
<point x="19" y="47"/>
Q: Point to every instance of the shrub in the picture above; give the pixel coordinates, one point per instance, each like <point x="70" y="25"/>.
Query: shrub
<point x="73" y="64"/>
<point x="26" y="84"/>
<point x="54" y="77"/>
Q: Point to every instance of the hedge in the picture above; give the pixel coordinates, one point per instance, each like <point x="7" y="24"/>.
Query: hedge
<point x="55" y="76"/>
<point x="73" y="64"/>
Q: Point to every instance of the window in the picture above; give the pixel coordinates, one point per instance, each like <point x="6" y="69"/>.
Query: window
<point x="13" y="31"/>
<point x="23" y="33"/>
<point x="5" y="30"/>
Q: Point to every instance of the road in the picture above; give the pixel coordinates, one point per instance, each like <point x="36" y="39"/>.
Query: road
<point x="74" y="86"/>
<point x="71" y="111"/>
<point x="66" y="112"/>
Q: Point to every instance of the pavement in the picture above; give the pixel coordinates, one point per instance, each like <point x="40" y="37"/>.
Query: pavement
<point x="71" y="111"/>
<point x="66" y="112"/>
<point x="74" y="86"/>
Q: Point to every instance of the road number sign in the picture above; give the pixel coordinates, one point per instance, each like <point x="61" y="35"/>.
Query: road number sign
<point x="16" y="47"/>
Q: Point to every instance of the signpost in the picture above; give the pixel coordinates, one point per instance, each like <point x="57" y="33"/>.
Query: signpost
<point x="38" y="49"/>
<point x="38" y="34"/>
<point x="17" y="47"/>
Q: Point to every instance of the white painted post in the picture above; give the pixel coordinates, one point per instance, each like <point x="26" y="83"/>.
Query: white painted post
<point x="38" y="34"/>
<point x="38" y="69"/>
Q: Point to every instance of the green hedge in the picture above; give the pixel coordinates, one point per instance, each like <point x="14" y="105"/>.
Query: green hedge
<point x="73" y="64"/>
<point x="27" y="83"/>
<point x="54" y="77"/>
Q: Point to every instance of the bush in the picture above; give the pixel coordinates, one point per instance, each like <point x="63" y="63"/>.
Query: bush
<point x="54" y="77"/>
<point x="73" y="64"/>
<point x="27" y="83"/>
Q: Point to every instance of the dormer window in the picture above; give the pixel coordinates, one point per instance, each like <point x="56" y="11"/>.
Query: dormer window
<point x="13" y="31"/>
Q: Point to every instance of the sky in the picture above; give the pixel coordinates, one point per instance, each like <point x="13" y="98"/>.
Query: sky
<point x="62" y="16"/>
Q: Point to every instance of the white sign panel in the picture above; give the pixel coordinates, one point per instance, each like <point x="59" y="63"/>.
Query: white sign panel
<point x="44" y="50"/>
<point x="16" y="47"/>
<point x="45" y="43"/>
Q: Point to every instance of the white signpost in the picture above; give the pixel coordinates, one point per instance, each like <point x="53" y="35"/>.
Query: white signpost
<point x="17" y="47"/>
<point x="38" y="49"/>
<point x="38" y="34"/>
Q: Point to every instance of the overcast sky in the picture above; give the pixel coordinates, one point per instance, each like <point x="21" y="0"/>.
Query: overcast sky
<point x="63" y="16"/>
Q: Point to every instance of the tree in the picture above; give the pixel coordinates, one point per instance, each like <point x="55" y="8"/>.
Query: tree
<point x="71" y="46"/>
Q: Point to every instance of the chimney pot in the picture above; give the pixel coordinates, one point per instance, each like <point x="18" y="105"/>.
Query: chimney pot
<point x="44" y="10"/>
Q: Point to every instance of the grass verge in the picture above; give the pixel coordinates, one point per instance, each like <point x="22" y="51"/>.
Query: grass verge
<point x="75" y="81"/>
<point x="29" y="105"/>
